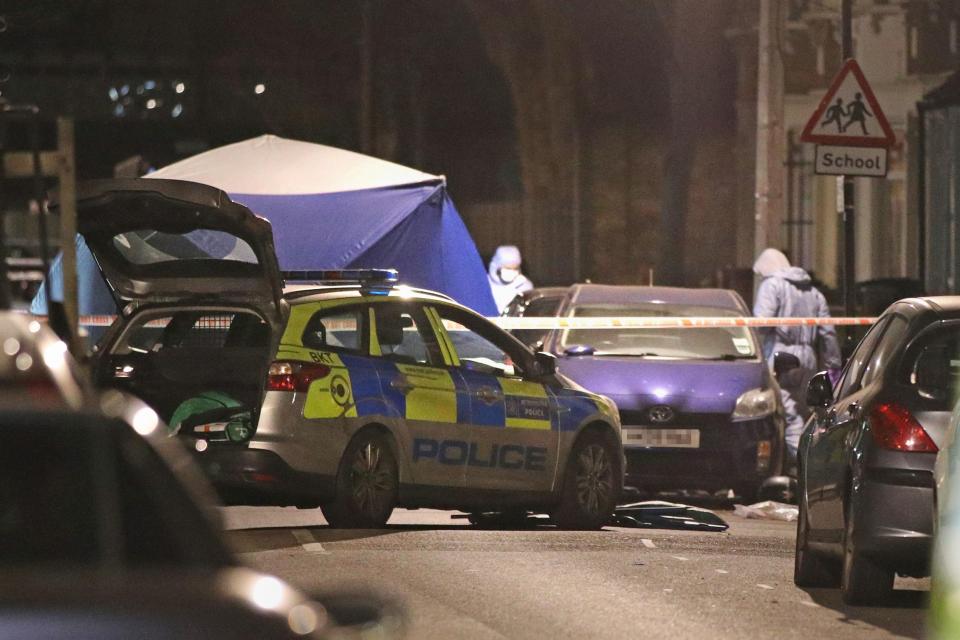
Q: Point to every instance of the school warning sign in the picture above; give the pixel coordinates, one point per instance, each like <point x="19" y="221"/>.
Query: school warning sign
<point x="849" y="114"/>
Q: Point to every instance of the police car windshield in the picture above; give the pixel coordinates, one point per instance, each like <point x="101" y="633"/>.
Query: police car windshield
<point x="714" y="343"/>
<point x="147" y="246"/>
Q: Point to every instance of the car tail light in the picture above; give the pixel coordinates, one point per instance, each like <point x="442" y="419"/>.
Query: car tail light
<point x="289" y="375"/>
<point x="895" y="428"/>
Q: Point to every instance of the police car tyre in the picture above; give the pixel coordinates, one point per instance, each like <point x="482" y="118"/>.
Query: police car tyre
<point x="863" y="581"/>
<point x="809" y="569"/>
<point x="367" y="484"/>
<point x="592" y="483"/>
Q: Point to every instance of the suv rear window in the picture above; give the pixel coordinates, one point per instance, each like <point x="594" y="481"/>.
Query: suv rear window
<point x="148" y="246"/>
<point x="189" y="329"/>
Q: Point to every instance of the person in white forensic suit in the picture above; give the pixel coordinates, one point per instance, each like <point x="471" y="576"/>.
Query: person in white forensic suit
<point x="506" y="279"/>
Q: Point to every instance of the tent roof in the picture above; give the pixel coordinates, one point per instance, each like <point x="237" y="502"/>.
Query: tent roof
<point x="278" y="166"/>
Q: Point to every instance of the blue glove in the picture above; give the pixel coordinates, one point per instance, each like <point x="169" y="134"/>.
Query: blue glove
<point x="834" y="375"/>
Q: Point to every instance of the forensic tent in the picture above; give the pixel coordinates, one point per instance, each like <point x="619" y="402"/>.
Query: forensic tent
<point x="330" y="209"/>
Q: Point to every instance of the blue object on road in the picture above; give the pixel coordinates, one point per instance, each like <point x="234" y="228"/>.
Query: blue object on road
<point x="655" y="514"/>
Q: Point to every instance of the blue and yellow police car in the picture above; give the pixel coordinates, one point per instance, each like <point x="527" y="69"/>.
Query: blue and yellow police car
<point x="347" y="391"/>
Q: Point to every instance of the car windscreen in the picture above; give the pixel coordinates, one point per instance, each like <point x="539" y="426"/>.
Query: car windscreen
<point x="714" y="343"/>
<point x="149" y="247"/>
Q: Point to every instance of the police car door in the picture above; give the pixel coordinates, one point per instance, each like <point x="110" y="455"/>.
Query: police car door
<point x="418" y="386"/>
<point x="510" y="434"/>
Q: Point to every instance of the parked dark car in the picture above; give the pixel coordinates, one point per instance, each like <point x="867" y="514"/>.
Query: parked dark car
<point x="867" y="455"/>
<point x="107" y="530"/>
<point x="699" y="407"/>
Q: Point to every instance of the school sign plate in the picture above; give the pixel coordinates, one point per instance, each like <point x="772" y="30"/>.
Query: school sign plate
<point x="851" y="161"/>
<point x="851" y="132"/>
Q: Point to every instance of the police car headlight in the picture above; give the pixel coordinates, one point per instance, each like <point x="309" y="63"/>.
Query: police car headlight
<point x="756" y="403"/>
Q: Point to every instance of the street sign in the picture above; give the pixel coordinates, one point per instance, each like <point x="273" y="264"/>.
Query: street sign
<point x="849" y="114"/>
<point x="851" y="161"/>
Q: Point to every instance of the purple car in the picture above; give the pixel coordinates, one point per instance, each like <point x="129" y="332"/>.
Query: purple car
<point x="700" y="408"/>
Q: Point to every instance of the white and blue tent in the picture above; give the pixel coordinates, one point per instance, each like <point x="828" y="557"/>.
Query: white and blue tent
<point x="330" y="209"/>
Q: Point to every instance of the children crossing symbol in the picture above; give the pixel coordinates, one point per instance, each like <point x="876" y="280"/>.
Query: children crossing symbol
<point x="849" y="114"/>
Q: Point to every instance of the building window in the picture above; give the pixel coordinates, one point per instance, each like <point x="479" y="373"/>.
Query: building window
<point x="953" y="37"/>
<point x="914" y="43"/>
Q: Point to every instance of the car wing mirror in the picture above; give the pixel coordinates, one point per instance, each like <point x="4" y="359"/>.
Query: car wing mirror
<point x="819" y="391"/>
<point x="546" y="364"/>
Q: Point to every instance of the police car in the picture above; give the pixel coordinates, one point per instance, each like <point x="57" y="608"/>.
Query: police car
<point x="355" y="394"/>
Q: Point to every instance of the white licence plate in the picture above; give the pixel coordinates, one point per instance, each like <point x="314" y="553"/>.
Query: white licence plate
<point x="682" y="438"/>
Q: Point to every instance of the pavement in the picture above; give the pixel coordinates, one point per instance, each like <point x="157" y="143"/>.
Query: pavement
<point x="460" y="581"/>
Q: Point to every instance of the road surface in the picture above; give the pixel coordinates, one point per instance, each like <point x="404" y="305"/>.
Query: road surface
<point x="459" y="581"/>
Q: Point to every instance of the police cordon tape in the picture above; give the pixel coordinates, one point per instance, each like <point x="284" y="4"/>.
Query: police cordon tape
<point x="613" y="322"/>
<point x="670" y="322"/>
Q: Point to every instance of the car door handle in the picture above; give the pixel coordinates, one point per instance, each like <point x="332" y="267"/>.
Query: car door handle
<point x="402" y="385"/>
<point x="826" y="422"/>
<point x="855" y="410"/>
<point x="488" y="395"/>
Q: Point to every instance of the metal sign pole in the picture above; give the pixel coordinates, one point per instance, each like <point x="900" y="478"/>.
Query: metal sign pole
<point x="849" y="194"/>
<point x="68" y="222"/>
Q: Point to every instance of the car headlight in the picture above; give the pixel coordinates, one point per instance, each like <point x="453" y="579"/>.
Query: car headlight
<point x="756" y="403"/>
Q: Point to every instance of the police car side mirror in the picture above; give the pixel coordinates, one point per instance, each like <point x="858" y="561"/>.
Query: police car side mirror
<point x="546" y="364"/>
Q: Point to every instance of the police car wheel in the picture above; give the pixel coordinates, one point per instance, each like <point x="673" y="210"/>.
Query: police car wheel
<point x="592" y="484"/>
<point x="367" y="484"/>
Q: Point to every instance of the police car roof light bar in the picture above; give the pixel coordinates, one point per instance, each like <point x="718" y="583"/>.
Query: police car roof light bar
<point x="362" y="276"/>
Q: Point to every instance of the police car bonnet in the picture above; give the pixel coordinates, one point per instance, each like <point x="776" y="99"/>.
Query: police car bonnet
<point x="175" y="240"/>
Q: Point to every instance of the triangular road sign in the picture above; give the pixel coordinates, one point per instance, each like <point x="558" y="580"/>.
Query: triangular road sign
<point x="849" y="114"/>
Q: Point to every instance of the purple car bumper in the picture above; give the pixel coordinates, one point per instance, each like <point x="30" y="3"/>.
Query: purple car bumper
<point x="730" y="455"/>
<point x="678" y="429"/>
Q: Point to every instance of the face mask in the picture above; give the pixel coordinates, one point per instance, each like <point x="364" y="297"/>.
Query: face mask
<point x="509" y="275"/>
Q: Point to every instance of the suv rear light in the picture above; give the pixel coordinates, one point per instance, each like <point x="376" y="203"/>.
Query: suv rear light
<point x="290" y="375"/>
<point x="895" y="428"/>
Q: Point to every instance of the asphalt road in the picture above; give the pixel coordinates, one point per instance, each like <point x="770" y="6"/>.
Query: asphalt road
<point x="458" y="581"/>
